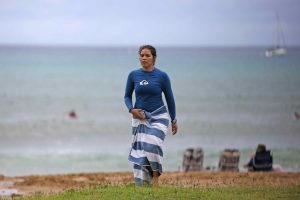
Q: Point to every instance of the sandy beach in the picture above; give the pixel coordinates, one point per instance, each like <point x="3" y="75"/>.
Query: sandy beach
<point x="51" y="184"/>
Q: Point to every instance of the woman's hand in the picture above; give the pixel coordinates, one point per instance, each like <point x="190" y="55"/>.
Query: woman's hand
<point x="174" y="128"/>
<point x="138" y="114"/>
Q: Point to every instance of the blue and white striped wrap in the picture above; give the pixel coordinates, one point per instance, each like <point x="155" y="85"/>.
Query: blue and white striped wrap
<point x="148" y="136"/>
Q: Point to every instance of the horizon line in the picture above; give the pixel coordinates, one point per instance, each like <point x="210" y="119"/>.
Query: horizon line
<point x="136" y="46"/>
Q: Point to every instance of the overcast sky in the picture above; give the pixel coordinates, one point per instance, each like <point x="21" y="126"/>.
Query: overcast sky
<point x="158" y="22"/>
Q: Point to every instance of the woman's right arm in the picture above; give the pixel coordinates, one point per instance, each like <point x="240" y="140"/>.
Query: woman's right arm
<point x="128" y="92"/>
<point x="136" y="113"/>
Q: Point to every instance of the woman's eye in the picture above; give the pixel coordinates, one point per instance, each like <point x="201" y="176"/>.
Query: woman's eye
<point x="145" y="55"/>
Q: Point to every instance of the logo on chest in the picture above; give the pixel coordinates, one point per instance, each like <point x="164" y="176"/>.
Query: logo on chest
<point x="144" y="82"/>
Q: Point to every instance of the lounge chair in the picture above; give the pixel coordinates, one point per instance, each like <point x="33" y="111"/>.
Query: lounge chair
<point x="263" y="161"/>
<point x="192" y="159"/>
<point x="229" y="160"/>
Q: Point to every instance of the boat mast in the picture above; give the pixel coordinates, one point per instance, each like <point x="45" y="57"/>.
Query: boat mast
<point x="280" y="35"/>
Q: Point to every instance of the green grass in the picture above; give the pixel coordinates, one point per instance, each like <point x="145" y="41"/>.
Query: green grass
<point x="132" y="192"/>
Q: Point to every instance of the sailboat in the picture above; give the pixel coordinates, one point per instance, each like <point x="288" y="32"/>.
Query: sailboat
<point x="279" y="49"/>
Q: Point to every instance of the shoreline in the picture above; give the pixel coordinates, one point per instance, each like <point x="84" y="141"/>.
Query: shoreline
<point x="53" y="184"/>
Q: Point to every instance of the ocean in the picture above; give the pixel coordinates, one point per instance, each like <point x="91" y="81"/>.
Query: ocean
<point x="225" y="97"/>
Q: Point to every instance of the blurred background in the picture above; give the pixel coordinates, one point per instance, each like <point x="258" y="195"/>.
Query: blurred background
<point x="234" y="67"/>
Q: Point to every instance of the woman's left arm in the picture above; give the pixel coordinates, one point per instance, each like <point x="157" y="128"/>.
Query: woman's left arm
<point x="167" y="90"/>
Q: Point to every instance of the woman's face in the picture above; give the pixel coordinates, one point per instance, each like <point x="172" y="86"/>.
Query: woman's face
<point x="146" y="59"/>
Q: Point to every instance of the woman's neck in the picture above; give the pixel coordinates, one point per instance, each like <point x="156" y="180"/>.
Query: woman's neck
<point x="148" y="69"/>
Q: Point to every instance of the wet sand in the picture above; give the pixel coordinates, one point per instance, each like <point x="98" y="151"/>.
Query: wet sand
<point x="50" y="184"/>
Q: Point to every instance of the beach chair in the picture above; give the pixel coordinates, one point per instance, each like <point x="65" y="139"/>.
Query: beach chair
<point x="192" y="159"/>
<point x="263" y="161"/>
<point x="229" y="160"/>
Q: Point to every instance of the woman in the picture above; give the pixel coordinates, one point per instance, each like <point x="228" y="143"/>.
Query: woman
<point x="150" y="118"/>
<point x="249" y="165"/>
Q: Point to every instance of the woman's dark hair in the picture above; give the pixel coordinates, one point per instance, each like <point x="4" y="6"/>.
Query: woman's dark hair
<point x="261" y="148"/>
<point x="152" y="50"/>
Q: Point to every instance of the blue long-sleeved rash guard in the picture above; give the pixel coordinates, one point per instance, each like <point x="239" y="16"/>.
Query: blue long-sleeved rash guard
<point x="148" y="87"/>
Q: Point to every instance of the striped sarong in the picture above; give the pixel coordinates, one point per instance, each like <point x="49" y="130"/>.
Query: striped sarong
<point x="146" y="152"/>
